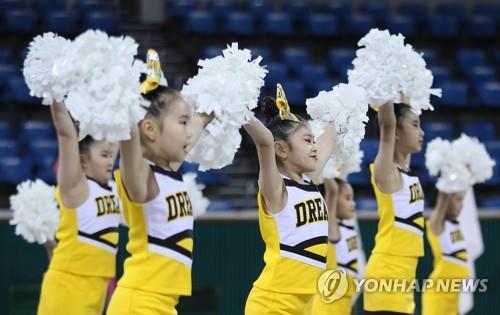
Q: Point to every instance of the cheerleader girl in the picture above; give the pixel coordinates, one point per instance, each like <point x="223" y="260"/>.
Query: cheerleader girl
<point x="339" y="197"/>
<point x="156" y="204"/>
<point x="450" y="254"/>
<point x="400" y="199"/>
<point x="293" y="216"/>
<point x="83" y="261"/>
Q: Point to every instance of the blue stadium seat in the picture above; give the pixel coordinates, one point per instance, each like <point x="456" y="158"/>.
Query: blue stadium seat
<point x="12" y="4"/>
<point x="378" y="10"/>
<point x="278" y="72"/>
<point x="64" y="22"/>
<point x="454" y="9"/>
<point x="295" y="58"/>
<point x="22" y="20"/>
<point x="239" y="23"/>
<point x="264" y="52"/>
<point x="201" y="22"/>
<point x="366" y="204"/>
<point x="488" y="9"/>
<point x="300" y="10"/>
<point x="341" y="9"/>
<point x="489" y="94"/>
<point x="418" y="160"/>
<point x="496" y="56"/>
<point x="441" y="74"/>
<point x="467" y="58"/>
<point x="455" y="94"/>
<point x="481" y="26"/>
<point x="7" y="71"/>
<point x="417" y="10"/>
<point x="40" y="149"/>
<point x="278" y="23"/>
<point x="370" y="148"/>
<point x="5" y="55"/>
<point x="51" y="5"/>
<point x="310" y="74"/>
<point x="89" y="6"/>
<point x="188" y="167"/>
<point x="259" y="9"/>
<point x="5" y="130"/>
<point x="493" y="148"/>
<point x="19" y="91"/>
<point x="359" y="178"/>
<point x="442" y="129"/>
<point x="295" y="92"/>
<point x="211" y="52"/>
<point x="481" y="74"/>
<point x="491" y="203"/>
<point x="181" y="8"/>
<point x="430" y="56"/>
<point x="401" y="24"/>
<point x="14" y="170"/>
<point x="359" y="24"/>
<point x="322" y="25"/>
<point x="212" y="177"/>
<point x="341" y="58"/>
<point x="103" y="20"/>
<point x="33" y="130"/>
<point x="495" y="179"/>
<point x="216" y="205"/>
<point x="483" y="130"/>
<point x="45" y="170"/>
<point x="221" y="8"/>
<point x="443" y="26"/>
<point x="8" y="148"/>
<point x="323" y="85"/>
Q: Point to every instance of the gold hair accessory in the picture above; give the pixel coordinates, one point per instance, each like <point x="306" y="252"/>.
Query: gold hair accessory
<point x="154" y="75"/>
<point x="282" y="104"/>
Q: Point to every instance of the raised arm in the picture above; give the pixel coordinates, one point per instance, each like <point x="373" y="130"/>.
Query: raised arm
<point x="136" y="173"/>
<point x="270" y="181"/>
<point x="70" y="176"/>
<point x="325" y="145"/>
<point x="386" y="174"/>
<point x="331" y="199"/>
<point x="438" y="215"/>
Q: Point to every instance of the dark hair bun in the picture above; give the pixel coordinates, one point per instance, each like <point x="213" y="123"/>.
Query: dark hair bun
<point x="268" y="107"/>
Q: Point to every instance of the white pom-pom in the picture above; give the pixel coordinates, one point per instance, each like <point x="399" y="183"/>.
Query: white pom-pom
<point x="216" y="147"/>
<point x="199" y="203"/>
<point x="107" y="101"/>
<point x="475" y="157"/>
<point x="441" y="159"/>
<point x="347" y="105"/>
<point x="388" y="69"/>
<point x="36" y="213"/>
<point x="227" y="86"/>
<point x="47" y="70"/>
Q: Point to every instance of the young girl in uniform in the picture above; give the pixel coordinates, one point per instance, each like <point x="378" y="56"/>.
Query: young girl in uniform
<point x="83" y="261"/>
<point x="293" y="216"/>
<point x="156" y="205"/>
<point x="339" y="197"/>
<point x="450" y="254"/>
<point x="400" y="199"/>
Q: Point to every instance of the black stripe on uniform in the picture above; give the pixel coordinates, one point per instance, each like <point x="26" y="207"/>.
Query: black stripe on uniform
<point x="349" y="265"/>
<point x="96" y="237"/>
<point x="455" y="254"/>
<point x="171" y="242"/>
<point x="299" y="249"/>
<point x="307" y="187"/>
<point x="410" y="220"/>
<point x="171" y="174"/>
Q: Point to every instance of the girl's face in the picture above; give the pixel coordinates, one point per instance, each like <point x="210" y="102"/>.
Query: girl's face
<point x="300" y="150"/>
<point x="455" y="205"/>
<point x="175" y="134"/>
<point x="98" y="162"/>
<point x="346" y="206"/>
<point x="409" y="135"/>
